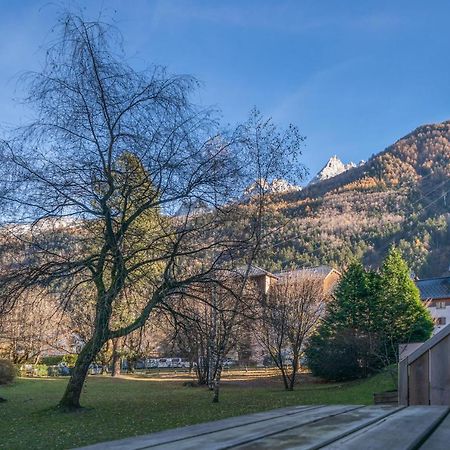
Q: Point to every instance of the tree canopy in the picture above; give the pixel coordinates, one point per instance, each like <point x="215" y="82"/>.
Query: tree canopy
<point x="371" y="313"/>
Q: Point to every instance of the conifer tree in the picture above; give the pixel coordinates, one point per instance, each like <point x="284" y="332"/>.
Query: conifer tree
<point x="370" y="315"/>
<point x="405" y="317"/>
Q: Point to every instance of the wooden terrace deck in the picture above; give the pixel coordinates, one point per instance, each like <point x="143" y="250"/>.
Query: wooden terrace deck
<point x="352" y="427"/>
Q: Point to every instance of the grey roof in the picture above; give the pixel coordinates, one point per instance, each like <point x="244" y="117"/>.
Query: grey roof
<point x="254" y="271"/>
<point x="321" y="271"/>
<point x="432" y="288"/>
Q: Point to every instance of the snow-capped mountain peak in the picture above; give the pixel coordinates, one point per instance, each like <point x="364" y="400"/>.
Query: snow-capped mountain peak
<point x="333" y="167"/>
<point x="278" y="185"/>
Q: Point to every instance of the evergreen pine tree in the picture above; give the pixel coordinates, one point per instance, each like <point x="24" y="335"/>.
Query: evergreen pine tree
<point x="370" y="315"/>
<point x="406" y="319"/>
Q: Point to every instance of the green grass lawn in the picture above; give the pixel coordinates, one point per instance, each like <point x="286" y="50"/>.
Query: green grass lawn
<point x="118" y="408"/>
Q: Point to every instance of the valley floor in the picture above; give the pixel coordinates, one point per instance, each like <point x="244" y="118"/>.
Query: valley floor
<point x="139" y="404"/>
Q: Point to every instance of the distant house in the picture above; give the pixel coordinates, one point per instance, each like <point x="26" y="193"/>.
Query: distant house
<point x="253" y="352"/>
<point x="329" y="276"/>
<point x="263" y="278"/>
<point x="435" y="292"/>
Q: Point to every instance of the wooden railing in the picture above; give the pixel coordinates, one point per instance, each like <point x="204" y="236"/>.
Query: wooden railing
<point x="424" y="375"/>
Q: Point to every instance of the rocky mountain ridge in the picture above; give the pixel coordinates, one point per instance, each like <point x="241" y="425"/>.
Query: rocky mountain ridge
<point x="332" y="168"/>
<point x="400" y="196"/>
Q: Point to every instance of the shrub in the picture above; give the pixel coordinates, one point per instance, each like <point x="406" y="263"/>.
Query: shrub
<point x="70" y="359"/>
<point x="40" y="370"/>
<point x="21" y="371"/>
<point x="52" y="360"/>
<point x="53" y="371"/>
<point x="340" y="356"/>
<point x="7" y="371"/>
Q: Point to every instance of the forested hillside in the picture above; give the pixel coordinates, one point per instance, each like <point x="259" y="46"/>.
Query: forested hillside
<point x="401" y="196"/>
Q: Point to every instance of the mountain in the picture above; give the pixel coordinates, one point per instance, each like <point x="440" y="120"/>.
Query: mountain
<point x="333" y="167"/>
<point x="399" y="196"/>
<point x="277" y="186"/>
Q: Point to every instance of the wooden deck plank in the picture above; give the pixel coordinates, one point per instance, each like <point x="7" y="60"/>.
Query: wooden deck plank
<point x="161" y="437"/>
<point x="400" y="431"/>
<point x="440" y="438"/>
<point x="248" y="433"/>
<point x="316" y="435"/>
<point x="348" y="427"/>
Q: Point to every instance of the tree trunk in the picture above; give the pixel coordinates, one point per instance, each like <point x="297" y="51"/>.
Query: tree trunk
<point x="280" y="364"/>
<point x="131" y="365"/>
<point x="202" y="373"/>
<point x="217" y="384"/>
<point x="71" y="397"/>
<point x="285" y="378"/>
<point x="116" y="357"/>
<point x="295" y="368"/>
<point x="212" y="340"/>
<point x="292" y="382"/>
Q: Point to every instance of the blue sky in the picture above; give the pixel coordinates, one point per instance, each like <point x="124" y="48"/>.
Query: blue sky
<point x="354" y="76"/>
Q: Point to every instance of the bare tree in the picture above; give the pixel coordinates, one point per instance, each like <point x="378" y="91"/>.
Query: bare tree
<point x="231" y="310"/>
<point x="32" y="328"/>
<point x="142" y="343"/>
<point x="287" y="317"/>
<point x="209" y="321"/>
<point x="110" y="150"/>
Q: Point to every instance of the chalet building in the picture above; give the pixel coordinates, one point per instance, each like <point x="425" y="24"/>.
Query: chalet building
<point x="328" y="275"/>
<point x="263" y="278"/>
<point x="251" y="351"/>
<point x="435" y="292"/>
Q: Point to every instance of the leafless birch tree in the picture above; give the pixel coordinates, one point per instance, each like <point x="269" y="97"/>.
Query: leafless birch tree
<point x="209" y="322"/>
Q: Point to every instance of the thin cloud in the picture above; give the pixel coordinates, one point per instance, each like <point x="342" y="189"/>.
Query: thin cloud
<point x="284" y="17"/>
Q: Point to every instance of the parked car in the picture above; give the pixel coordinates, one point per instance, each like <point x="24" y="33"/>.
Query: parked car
<point x="140" y="364"/>
<point x="95" y="369"/>
<point x="63" y="370"/>
<point x="228" y="362"/>
<point x="179" y="363"/>
<point x="151" y="363"/>
<point x="185" y="363"/>
<point x="163" y="363"/>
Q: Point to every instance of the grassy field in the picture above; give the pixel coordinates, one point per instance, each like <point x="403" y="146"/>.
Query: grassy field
<point x="117" y="408"/>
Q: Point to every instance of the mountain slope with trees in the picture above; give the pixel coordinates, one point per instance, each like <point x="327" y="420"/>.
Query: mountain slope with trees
<point x="400" y="196"/>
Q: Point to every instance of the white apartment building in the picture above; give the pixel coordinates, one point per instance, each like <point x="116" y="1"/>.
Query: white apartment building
<point x="435" y="292"/>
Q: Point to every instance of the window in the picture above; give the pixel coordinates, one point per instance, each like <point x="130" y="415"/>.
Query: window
<point x="441" y="321"/>
<point x="440" y="305"/>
